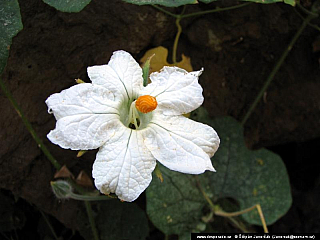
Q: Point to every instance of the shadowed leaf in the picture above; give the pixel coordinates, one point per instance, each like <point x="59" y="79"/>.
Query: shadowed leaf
<point x="249" y="177"/>
<point x="68" y="5"/>
<point x="10" y="25"/>
<point x="167" y="3"/>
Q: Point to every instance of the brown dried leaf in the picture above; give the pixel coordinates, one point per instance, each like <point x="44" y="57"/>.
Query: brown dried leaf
<point x="160" y="60"/>
<point x="64" y="173"/>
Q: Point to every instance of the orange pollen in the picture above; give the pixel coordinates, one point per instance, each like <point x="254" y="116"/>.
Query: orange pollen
<point x="146" y="103"/>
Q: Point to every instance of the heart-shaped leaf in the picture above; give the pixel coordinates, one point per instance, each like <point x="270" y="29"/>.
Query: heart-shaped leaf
<point x="290" y="2"/>
<point x="174" y="206"/>
<point x="68" y="5"/>
<point x="167" y="3"/>
<point x="250" y="177"/>
<point x="177" y="3"/>
<point x="10" y="25"/>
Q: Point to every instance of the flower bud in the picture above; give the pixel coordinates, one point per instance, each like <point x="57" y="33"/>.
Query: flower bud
<point x="61" y="188"/>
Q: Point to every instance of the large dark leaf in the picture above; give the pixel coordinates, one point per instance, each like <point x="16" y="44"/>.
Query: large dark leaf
<point x="167" y="3"/>
<point x="10" y="25"/>
<point x="250" y="177"/>
<point x="68" y="5"/>
<point x="121" y="220"/>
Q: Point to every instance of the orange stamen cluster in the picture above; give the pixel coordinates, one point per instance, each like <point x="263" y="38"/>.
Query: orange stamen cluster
<point x="146" y="103"/>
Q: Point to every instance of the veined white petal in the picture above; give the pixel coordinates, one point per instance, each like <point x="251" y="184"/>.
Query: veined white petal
<point x="85" y="114"/>
<point x="200" y="134"/>
<point x="82" y="98"/>
<point x="124" y="165"/>
<point x="84" y="131"/>
<point x="175" y="152"/>
<point x="122" y="75"/>
<point x="177" y="91"/>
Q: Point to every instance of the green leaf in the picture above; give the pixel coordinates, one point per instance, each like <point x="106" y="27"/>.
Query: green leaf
<point x="68" y="5"/>
<point x="290" y="2"/>
<point x="167" y="3"/>
<point x="145" y="70"/>
<point x="174" y="206"/>
<point x="250" y="177"/>
<point x="177" y="3"/>
<point x="121" y="220"/>
<point x="10" y="25"/>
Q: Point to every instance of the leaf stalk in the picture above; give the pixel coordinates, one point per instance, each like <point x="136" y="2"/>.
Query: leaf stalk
<point x="277" y="67"/>
<point x="29" y="127"/>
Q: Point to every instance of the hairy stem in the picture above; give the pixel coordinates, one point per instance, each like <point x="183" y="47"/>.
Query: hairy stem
<point x="49" y="225"/>
<point x="234" y="214"/>
<point x="29" y="126"/>
<point x="91" y="220"/>
<point x="277" y="66"/>
<point x="217" y="211"/>
<point x="44" y="149"/>
<point x="214" y="10"/>
<point x="165" y="11"/>
<point x="176" y="41"/>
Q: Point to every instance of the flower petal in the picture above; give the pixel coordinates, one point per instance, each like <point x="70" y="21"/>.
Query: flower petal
<point x="124" y="165"/>
<point x="176" y="149"/>
<point x="122" y="75"/>
<point x="85" y="116"/>
<point x="177" y="91"/>
<point x="200" y="134"/>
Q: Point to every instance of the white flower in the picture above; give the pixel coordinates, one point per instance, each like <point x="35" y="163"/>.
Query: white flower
<point x="103" y="114"/>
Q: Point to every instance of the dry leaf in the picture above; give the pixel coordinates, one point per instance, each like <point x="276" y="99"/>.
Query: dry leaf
<point x="160" y="60"/>
<point x="84" y="180"/>
<point x="64" y="173"/>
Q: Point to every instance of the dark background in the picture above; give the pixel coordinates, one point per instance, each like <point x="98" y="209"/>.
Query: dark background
<point x="237" y="49"/>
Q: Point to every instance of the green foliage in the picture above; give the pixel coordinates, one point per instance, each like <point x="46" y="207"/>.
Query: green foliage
<point x="145" y="71"/>
<point x="290" y="2"/>
<point x="249" y="177"/>
<point x="120" y="220"/>
<point x="167" y="3"/>
<point x="68" y="5"/>
<point x="174" y="206"/>
<point x="177" y="3"/>
<point x="10" y="25"/>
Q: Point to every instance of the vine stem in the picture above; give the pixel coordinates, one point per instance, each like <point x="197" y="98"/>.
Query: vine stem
<point x="176" y="41"/>
<point x="214" y="207"/>
<point x="234" y="214"/>
<point x="49" y="225"/>
<point x="215" y="10"/>
<point x="29" y="126"/>
<point x="221" y="213"/>
<point x="44" y="149"/>
<point x="182" y="15"/>
<point x="91" y="220"/>
<point x="277" y="66"/>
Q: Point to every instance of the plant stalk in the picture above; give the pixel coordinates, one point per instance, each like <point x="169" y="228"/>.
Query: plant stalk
<point x="215" y="10"/>
<point x="276" y="67"/>
<point x="234" y="214"/>
<point x="45" y="150"/>
<point x="49" y="225"/>
<point x="29" y="126"/>
<point x="91" y="220"/>
<point x="176" y="41"/>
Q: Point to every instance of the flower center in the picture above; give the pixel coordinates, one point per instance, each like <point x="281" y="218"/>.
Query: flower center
<point x="140" y="112"/>
<point x="146" y="103"/>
